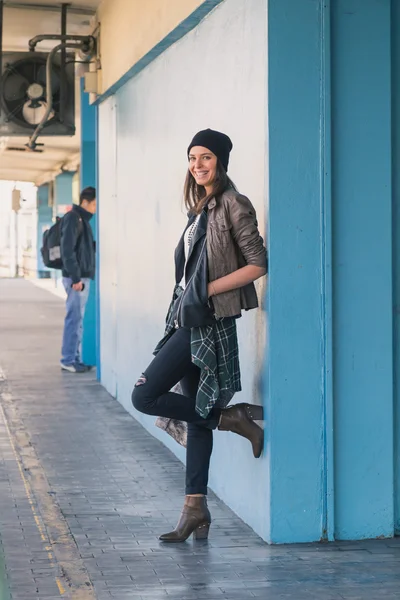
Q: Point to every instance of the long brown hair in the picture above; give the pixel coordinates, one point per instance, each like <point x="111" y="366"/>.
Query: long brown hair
<point x="195" y="195"/>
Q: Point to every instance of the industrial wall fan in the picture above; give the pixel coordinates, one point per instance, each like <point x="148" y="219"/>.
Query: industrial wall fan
<point x="23" y="95"/>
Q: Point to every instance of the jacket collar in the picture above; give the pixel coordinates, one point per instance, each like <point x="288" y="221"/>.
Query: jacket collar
<point x="212" y="203"/>
<point x="85" y="214"/>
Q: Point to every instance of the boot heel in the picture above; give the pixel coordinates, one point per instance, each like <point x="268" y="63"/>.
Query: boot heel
<point x="201" y="533"/>
<point x="255" y="412"/>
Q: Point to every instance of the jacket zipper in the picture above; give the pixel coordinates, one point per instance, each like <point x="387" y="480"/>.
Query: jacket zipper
<point x="179" y="310"/>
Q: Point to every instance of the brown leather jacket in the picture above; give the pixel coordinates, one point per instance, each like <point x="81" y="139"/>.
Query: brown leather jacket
<point x="233" y="241"/>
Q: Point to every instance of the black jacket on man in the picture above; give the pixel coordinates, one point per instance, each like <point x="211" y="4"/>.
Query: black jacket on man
<point x="77" y="245"/>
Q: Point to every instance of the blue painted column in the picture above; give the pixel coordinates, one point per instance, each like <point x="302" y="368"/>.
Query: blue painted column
<point x="62" y="203"/>
<point x="362" y="274"/>
<point x="334" y="247"/>
<point x="62" y="194"/>
<point x="88" y="178"/>
<point x="296" y="333"/>
<point x="45" y="221"/>
<point x="396" y="250"/>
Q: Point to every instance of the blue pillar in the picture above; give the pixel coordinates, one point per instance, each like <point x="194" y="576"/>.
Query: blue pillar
<point x="45" y="221"/>
<point x="62" y="203"/>
<point x="333" y="84"/>
<point x="396" y="248"/>
<point x="296" y="311"/>
<point x="62" y="193"/>
<point x="362" y="274"/>
<point x="88" y="178"/>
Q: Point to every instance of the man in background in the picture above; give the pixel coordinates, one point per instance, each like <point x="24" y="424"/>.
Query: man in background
<point x="78" y="258"/>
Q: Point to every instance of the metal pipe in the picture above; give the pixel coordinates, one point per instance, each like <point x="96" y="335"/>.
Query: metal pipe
<point x="63" y="38"/>
<point x="49" y="95"/>
<point x="1" y="50"/>
<point x="63" y="77"/>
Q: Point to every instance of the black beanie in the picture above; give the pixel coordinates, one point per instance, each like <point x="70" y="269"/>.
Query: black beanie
<point x="219" y="143"/>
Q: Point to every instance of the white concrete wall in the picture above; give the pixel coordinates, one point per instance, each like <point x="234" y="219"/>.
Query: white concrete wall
<point x="214" y="77"/>
<point x="108" y="222"/>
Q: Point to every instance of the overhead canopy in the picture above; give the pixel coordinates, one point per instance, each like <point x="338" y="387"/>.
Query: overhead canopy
<point x="24" y="20"/>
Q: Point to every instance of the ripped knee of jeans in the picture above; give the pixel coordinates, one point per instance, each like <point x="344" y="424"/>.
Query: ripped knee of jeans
<point x="140" y="399"/>
<point x="141" y="381"/>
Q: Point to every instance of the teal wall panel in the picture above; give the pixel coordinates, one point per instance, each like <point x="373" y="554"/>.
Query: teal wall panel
<point x="396" y="248"/>
<point x="88" y="178"/>
<point x="62" y="199"/>
<point x="362" y="268"/>
<point x="334" y="81"/>
<point x="44" y="221"/>
<point x="62" y="193"/>
<point x="295" y="363"/>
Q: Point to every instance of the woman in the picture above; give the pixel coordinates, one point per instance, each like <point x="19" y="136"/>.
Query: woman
<point x="217" y="260"/>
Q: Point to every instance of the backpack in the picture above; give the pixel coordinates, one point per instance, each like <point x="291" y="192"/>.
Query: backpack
<point x="51" y="248"/>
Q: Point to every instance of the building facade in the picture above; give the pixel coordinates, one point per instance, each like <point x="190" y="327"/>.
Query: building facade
<point x="308" y="91"/>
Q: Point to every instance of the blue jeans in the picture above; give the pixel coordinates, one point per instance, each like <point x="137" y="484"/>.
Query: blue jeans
<point x="73" y="325"/>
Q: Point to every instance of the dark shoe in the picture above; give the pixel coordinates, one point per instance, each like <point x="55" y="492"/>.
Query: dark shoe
<point x="84" y="366"/>
<point x="195" y="518"/>
<point x="236" y="419"/>
<point x="72" y="368"/>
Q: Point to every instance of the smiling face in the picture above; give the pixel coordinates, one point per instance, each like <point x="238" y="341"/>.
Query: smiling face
<point x="203" y="167"/>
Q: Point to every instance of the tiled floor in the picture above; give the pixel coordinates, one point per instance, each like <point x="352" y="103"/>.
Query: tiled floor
<point x="85" y="491"/>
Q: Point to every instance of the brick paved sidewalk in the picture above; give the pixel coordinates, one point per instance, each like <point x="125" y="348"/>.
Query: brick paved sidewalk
<point x="85" y="491"/>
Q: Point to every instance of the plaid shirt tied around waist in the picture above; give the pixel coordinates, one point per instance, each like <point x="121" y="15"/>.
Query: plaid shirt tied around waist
<point x="215" y="351"/>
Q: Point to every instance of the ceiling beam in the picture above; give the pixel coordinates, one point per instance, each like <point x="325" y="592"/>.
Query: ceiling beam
<point x="73" y="10"/>
<point x="18" y="155"/>
<point x="35" y="170"/>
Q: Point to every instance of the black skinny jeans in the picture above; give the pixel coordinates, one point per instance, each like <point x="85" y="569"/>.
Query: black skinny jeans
<point x="173" y="364"/>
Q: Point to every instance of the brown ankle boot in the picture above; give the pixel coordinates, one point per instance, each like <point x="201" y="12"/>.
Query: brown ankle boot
<point x="237" y="420"/>
<point x="255" y="412"/>
<point x="195" y="518"/>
